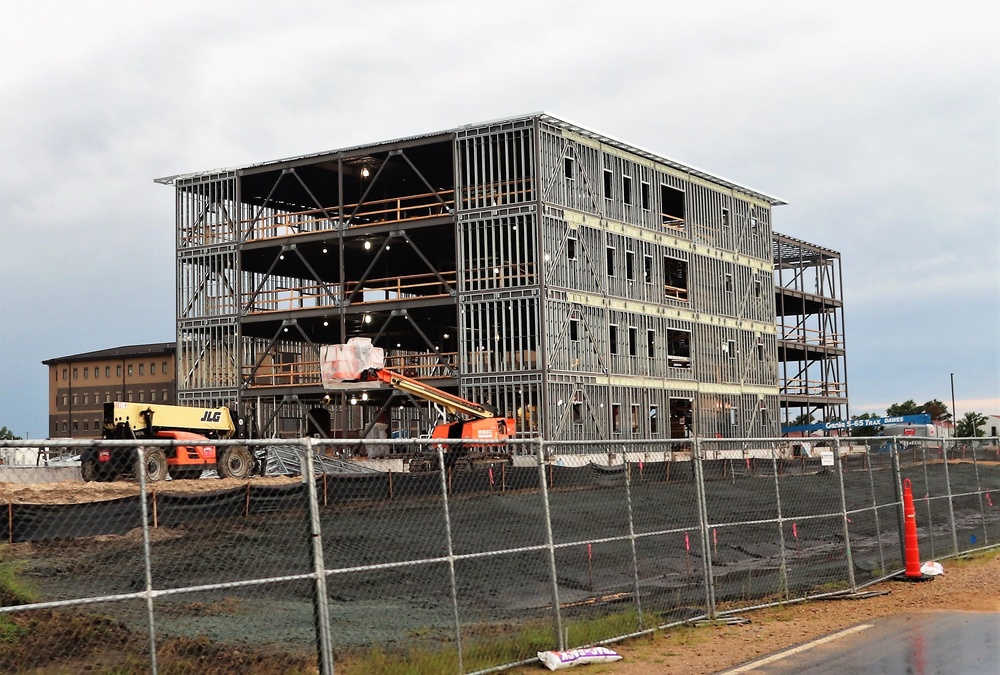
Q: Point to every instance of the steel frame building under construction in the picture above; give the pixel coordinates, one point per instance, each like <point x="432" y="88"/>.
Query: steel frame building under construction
<point x="583" y="286"/>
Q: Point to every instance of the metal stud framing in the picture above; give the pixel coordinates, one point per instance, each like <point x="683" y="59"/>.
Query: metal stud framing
<point x="586" y="287"/>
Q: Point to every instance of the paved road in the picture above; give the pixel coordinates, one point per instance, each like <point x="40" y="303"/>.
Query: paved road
<point x="921" y="644"/>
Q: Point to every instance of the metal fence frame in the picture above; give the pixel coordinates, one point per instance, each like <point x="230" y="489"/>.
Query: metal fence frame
<point x="919" y="459"/>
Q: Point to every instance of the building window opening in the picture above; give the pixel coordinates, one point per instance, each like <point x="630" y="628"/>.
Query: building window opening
<point x="672" y="206"/>
<point x="611" y="261"/>
<point x="571" y="249"/>
<point x="65" y="373"/>
<point x="678" y="349"/>
<point x="118" y="371"/>
<point x="627" y="189"/>
<point x="608" y="184"/>
<point x="613" y="338"/>
<point x="732" y="416"/>
<point x="731" y="348"/>
<point x="142" y="369"/>
<point x="577" y="413"/>
<point x="107" y="371"/>
<point x="130" y="370"/>
<point x="75" y="373"/>
<point x="568" y="167"/>
<point x="630" y="265"/>
<point x="725" y="218"/>
<point x="650" y="343"/>
<point x="760" y="350"/>
<point x="647" y="269"/>
<point x="633" y="339"/>
<point x="653" y="414"/>
<point x="616" y="418"/>
<point x="635" y="419"/>
<point x="675" y="278"/>
<point x="757" y="287"/>
<point x="574" y="330"/>
<point x="644" y="195"/>
<point x="729" y="283"/>
<point x="86" y="373"/>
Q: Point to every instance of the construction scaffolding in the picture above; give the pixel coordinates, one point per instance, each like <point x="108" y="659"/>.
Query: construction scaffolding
<point x="811" y="349"/>
<point x="584" y="287"/>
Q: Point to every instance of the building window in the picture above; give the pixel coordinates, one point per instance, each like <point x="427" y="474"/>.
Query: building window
<point x="574" y="330"/>
<point x="731" y="348"/>
<point x="65" y="426"/>
<point x="86" y="425"/>
<point x="118" y="396"/>
<point x="616" y="418"/>
<point x="678" y="349"/>
<point x="65" y="400"/>
<point x="577" y="413"/>
<point x="647" y="269"/>
<point x="571" y="249"/>
<point x="75" y="373"/>
<point x="152" y="395"/>
<point x="142" y="370"/>
<point x="732" y="416"/>
<point x="142" y="395"/>
<point x="164" y="396"/>
<point x="118" y="371"/>
<point x="163" y="367"/>
<point x="107" y="398"/>
<point x="130" y="370"/>
<point x="107" y="371"/>
<point x="76" y="399"/>
<point x="633" y="339"/>
<point x="754" y="223"/>
<point x="644" y="195"/>
<point x="760" y="350"/>
<point x="650" y="343"/>
<point x="611" y="261"/>
<point x="729" y="283"/>
<point x="630" y="265"/>
<point x="86" y="399"/>
<point x="613" y="338"/>
<point x="65" y="373"/>
<point x="97" y="372"/>
<point x="725" y="218"/>
<point x="675" y="278"/>
<point x="152" y="369"/>
<point x="627" y="189"/>
<point x="671" y="206"/>
<point x="608" y="184"/>
<point x="653" y="414"/>
<point x="635" y="419"/>
<point x="757" y="287"/>
<point x="76" y="425"/>
<point x="568" y="167"/>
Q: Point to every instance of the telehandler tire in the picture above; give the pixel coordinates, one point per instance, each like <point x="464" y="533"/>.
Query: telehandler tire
<point x="155" y="465"/>
<point x="234" y="462"/>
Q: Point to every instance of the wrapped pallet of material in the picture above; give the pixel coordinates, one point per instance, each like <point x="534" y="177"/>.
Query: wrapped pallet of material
<point x="346" y="362"/>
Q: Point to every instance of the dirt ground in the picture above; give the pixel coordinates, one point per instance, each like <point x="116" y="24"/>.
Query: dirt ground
<point x="967" y="585"/>
<point x="76" y="492"/>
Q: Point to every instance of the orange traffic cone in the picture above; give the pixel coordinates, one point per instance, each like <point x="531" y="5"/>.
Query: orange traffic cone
<point x="911" y="549"/>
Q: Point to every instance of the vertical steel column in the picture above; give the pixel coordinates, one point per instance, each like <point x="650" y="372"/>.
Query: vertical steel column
<point x="324" y="643"/>
<point x="631" y="537"/>
<point x="451" y="553"/>
<point x="781" y="525"/>
<point x="951" y="505"/>
<point x="703" y="530"/>
<point x="146" y="554"/>
<point x="550" y="543"/>
<point x="843" y="514"/>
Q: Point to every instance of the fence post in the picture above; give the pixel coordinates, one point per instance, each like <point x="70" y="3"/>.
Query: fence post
<point x="550" y="543"/>
<point x="703" y="530"/>
<point x="324" y="645"/>
<point x="951" y="505"/>
<point x="781" y="525"/>
<point x="843" y="512"/>
<point x="445" y="485"/>
<point x="147" y="557"/>
<point x="631" y="537"/>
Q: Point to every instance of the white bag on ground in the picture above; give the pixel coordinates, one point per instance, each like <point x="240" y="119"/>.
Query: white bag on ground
<point x="576" y="657"/>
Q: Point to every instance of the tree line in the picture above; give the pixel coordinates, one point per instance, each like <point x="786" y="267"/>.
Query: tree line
<point x="966" y="427"/>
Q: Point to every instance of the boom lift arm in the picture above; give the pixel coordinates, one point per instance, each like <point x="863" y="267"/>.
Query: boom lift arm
<point x="453" y="404"/>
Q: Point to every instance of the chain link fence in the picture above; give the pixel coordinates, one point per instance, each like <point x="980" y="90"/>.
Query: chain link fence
<point x="470" y="565"/>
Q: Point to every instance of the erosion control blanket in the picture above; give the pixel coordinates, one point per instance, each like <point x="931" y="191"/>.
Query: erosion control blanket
<point x="347" y="362"/>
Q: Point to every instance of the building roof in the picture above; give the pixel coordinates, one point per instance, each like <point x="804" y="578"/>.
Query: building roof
<point x="126" y="351"/>
<point x="542" y="116"/>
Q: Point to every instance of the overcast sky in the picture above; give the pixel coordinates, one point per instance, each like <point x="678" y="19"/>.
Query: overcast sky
<point x="878" y="122"/>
